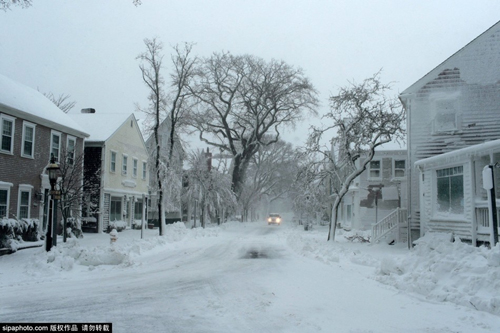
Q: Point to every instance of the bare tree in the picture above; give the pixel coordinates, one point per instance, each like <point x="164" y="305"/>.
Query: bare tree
<point x="269" y="176"/>
<point x="361" y="118"/>
<point x="172" y="106"/>
<point x="74" y="187"/>
<point x="6" y="4"/>
<point x="244" y="102"/>
<point x="209" y="187"/>
<point x="62" y="101"/>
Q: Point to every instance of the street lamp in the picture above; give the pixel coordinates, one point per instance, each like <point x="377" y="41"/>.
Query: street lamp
<point x="51" y="237"/>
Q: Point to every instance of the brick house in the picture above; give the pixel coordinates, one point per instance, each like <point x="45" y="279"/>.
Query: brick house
<point x="32" y="128"/>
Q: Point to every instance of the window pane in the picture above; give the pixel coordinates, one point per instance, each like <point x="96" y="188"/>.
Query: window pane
<point x="3" y="203"/>
<point x="25" y="198"/>
<point x="399" y="164"/>
<point x="28" y="148"/>
<point x="443" y="194"/>
<point x="115" y="210"/>
<point x="24" y="205"/>
<point x="457" y="194"/>
<point x="6" y="135"/>
<point x="113" y="162"/>
<point x="55" y="146"/>
<point x="375" y="165"/>
<point x="138" y="211"/>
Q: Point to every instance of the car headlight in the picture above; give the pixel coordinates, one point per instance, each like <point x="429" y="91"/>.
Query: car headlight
<point x="269" y="220"/>
<point x="278" y="220"/>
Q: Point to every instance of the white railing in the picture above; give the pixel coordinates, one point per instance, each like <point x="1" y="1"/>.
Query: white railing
<point x="388" y="224"/>
<point x="483" y="218"/>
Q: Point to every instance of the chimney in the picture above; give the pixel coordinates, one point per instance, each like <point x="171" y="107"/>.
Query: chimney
<point x="88" y="110"/>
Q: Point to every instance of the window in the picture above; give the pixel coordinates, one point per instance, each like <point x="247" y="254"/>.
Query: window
<point x="374" y="170"/>
<point x="450" y="190"/>
<point x="55" y="144"/>
<point x="115" y="210"/>
<point x="27" y="149"/>
<point x="24" y="201"/>
<point x="399" y="168"/>
<point x="144" y="165"/>
<point x="70" y="150"/>
<point x="124" y="164"/>
<point x="112" y="165"/>
<point x="7" y="131"/>
<point x="134" y="171"/>
<point x="138" y="210"/>
<point x="446" y="116"/>
<point x="4" y="202"/>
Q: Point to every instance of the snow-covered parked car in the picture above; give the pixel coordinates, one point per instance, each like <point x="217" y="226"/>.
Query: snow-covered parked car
<point x="274" y="219"/>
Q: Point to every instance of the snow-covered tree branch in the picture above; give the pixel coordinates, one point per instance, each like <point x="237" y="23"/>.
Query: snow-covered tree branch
<point x="361" y="119"/>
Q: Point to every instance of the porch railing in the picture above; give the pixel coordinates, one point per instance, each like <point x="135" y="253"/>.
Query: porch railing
<point x="483" y="218"/>
<point x="390" y="223"/>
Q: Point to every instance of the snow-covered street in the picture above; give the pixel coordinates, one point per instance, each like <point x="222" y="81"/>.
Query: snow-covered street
<point x="249" y="277"/>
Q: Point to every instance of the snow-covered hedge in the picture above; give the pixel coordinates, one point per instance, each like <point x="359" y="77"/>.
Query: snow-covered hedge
<point x="118" y="225"/>
<point x="14" y="231"/>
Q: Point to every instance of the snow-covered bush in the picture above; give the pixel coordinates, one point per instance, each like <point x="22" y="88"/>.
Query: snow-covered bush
<point x="13" y="231"/>
<point x="118" y="225"/>
<point x="74" y="227"/>
<point x="137" y="224"/>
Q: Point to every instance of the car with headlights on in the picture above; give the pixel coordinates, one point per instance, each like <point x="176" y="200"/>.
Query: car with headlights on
<point x="274" y="218"/>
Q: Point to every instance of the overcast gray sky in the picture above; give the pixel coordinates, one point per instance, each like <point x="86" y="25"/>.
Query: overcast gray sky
<point x="88" y="48"/>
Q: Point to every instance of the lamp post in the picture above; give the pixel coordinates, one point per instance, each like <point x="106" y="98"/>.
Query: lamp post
<point x="51" y="237"/>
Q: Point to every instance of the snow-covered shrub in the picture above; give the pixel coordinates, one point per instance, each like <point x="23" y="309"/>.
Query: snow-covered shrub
<point x="118" y="225"/>
<point x="137" y="224"/>
<point x="74" y="227"/>
<point x="14" y="230"/>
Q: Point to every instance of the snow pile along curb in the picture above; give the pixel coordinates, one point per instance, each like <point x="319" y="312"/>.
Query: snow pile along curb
<point x="65" y="256"/>
<point x="442" y="270"/>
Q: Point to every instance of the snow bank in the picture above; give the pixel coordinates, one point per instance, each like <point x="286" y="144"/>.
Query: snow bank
<point x="436" y="268"/>
<point x="75" y="253"/>
<point x="442" y="270"/>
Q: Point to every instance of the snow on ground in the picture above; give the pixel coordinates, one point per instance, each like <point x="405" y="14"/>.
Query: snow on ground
<point x="197" y="276"/>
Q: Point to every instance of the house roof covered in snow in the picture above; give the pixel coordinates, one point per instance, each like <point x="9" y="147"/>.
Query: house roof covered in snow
<point x="29" y="104"/>
<point x="101" y="126"/>
<point x="485" y="49"/>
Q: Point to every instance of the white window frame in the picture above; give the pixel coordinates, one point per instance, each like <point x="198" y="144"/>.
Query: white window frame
<point x="70" y="138"/>
<point x="13" y="120"/>
<point x="135" y="165"/>
<point x="6" y="187"/>
<point x="112" y="163"/>
<point x="52" y="134"/>
<point x="394" y="168"/>
<point x="144" y="170"/>
<point x="23" y="188"/>
<point x="379" y="169"/>
<point x="124" y="164"/>
<point x="32" y="153"/>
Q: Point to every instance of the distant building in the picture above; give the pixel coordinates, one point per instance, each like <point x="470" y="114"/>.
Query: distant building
<point x="377" y="192"/>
